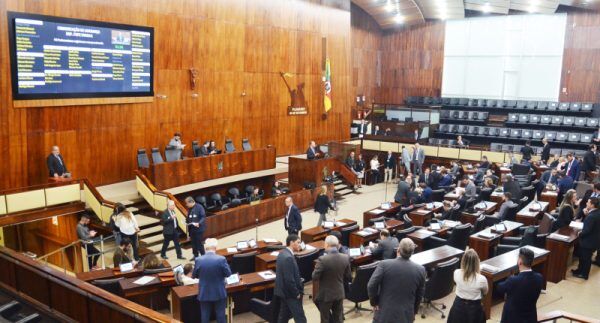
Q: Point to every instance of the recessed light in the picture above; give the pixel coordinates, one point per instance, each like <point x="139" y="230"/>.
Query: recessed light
<point x="389" y="7"/>
<point x="399" y="19"/>
<point x="486" y="7"/>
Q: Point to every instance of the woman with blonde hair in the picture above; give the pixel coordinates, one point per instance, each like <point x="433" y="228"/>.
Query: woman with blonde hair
<point x="322" y="205"/>
<point x="129" y="228"/>
<point x="151" y="262"/>
<point x="566" y="210"/>
<point x="470" y="288"/>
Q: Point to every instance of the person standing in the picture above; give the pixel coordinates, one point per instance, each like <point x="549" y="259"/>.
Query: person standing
<point x="288" y="284"/>
<point x="196" y="222"/>
<point x="87" y="235"/>
<point x="471" y="286"/>
<point x="572" y="167"/>
<point x="119" y="207"/>
<point x="545" y="157"/>
<point x="170" y="232"/>
<point x="588" y="163"/>
<point x="129" y="228"/>
<point x="293" y="220"/>
<point x="589" y="238"/>
<point x="401" y="195"/>
<point x="322" y="205"/>
<point x="390" y="164"/>
<point x="56" y="164"/>
<point x="406" y="159"/>
<point x="522" y="291"/>
<point x="527" y="151"/>
<point x="418" y="158"/>
<point x="212" y="269"/>
<point x="332" y="272"/>
<point x="396" y="287"/>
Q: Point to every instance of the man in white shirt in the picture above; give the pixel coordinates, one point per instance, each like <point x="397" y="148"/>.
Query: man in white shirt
<point x="170" y="232"/>
<point x="176" y="141"/>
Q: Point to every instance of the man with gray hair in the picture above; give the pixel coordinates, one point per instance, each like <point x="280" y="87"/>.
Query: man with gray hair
<point x="212" y="269"/>
<point x="196" y="223"/>
<point x="56" y="164"/>
<point x="396" y="287"/>
<point x="170" y="232"/>
<point x="332" y="272"/>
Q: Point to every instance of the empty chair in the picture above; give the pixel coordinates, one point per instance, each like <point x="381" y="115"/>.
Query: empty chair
<point x="534" y="118"/>
<point x="453" y="128"/>
<point x="542" y="105"/>
<point x="427" y="100"/>
<point x="568" y="121"/>
<point x="463" y="101"/>
<point x="473" y="115"/>
<point x="504" y="132"/>
<point x="458" y="238"/>
<point x="156" y="156"/>
<point x="585" y="138"/>
<point x="574" y="137"/>
<point x="528" y="191"/>
<point x="439" y="285"/>
<point x="438" y="195"/>
<point x="233" y="193"/>
<point x="523" y="118"/>
<point x="357" y="289"/>
<point x="513" y="117"/>
<point x="561" y="136"/>
<point x="526" y="134"/>
<point x="110" y="285"/>
<point x="545" y="120"/>
<point x="557" y="120"/>
<point x="500" y="104"/>
<point x="216" y="200"/>
<point x="472" y="103"/>
<point x="172" y="154"/>
<point x="510" y="104"/>
<point x="479" y="223"/>
<point x="473" y="130"/>
<point x="521" y="104"/>
<point x="196" y="148"/>
<point x="495" y="147"/>
<point x="485" y="194"/>
<point x="580" y="122"/>
<point x="592" y="122"/>
<point x="507" y="148"/>
<point x="490" y="103"/>
<point x="306" y="264"/>
<point x="552" y="106"/>
<point x="249" y="190"/>
<point x="246" y="144"/>
<point x="482" y="131"/>
<point x="575" y="106"/>
<point x="454" y="114"/>
<point x="529" y="237"/>
<point x="445" y="114"/>
<point x="201" y="199"/>
<point x="263" y="309"/>
<point x="451" y="142"/>
<point x="517" y="148"/>
<point x="563" y="106"/>
<point x="587" y="107"/>
<point x="482" y="115"/>
<point x="229" y="147"/>
<point x="515" y="133"/>
<point x="511" y="212"/>
<point x="377" y="219"/>
<point x="494" y="131"/>
<point x="443" y="128"/>
<point x="142" y="158"/>
<point x="445" y="101"/>
<point x="454" y="101"/>
<point x="243" y="263"/>
<point x="345" y="231"/>
<point x="401" y="234"/>
<point x="538" y="134"/>
<point x="531" y="105"/>
<point x="463" y="129"/>
<point x="464" y="115"/>
<point x="481" y="103"/>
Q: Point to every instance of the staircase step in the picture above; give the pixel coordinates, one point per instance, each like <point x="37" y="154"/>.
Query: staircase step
<point x="127" y="202"/>
<point x="152" y="230"/>
<point x="35" y="317"/>
<point x="151" y="240"/>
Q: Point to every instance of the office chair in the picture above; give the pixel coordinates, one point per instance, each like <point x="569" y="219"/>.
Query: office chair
<point x="401" y="234"/>
<point x="243" y="263"/>
<point x="529" y="238"/>
<point x="229" y="148"/>
<point x="586" y="107"/>
<point x="479" y="224"/>
<point x="172" y="154"/>
<point x="233" y="193"/>
<point x="345" y="231"/>
<point x="201" y="199"/>
<point x="511" y="213"/>
<point x="458" y="238"/>
<point x="263" y="309"/>
<point x="485" y="194"/>
<point x="575" y="106"/>
<point x="246" y="144"/>
<point x="156" y="156"/>
<point x="552" y="106"/>
<point x="306" y="265"/>
<point x="563" y="106"/>
<point x="438" y="195"/>
<point x="529" y="191"/>
<point x="142" y="158"/>
<point x="357" y="290"/>
<point x="249" y="190"/>
<point x="216" y="200"/>
<point x="510" y="104"/>
<point x="271" y="248"/>
<point x="110" y="285"/>
<point x="439" y="285"/>
<point x="504" y="132"/>
<point x="377" y="219"/>
<point x="196" y="148"/>
<point x="542" y="105"/>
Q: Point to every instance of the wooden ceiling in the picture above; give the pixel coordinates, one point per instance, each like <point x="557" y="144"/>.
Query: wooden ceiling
<point x="395" y="13"/>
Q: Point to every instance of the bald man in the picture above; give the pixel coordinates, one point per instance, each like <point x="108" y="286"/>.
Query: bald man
<point x="56" y="164"/>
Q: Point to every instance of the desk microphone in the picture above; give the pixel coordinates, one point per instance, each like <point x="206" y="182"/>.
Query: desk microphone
<point x="256" y="230"/>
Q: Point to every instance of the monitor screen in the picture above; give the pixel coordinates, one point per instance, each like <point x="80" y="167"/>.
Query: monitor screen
<point x="54" y="57"/>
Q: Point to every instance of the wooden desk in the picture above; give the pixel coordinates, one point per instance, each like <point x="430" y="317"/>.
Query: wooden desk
<point x="551" y="197"/>
<point x="422" y="215"/>
<point x="497" y="197"/>
<point x="539" y="169"/>
<point x="419" y="236"/>
<point x="531" y="212"/>
<point x="267" y="261"/>
<point x="319" y="233"/>
<point x="504" y="266"/>
<point x="110" y="273"/>
<point x="186" y="308"/>
<point x="451" y="196"/>
<point x="153" y="294"/>
<point x="192" y="170"/>
<point x="378" y="211"/>
<point x="560" y="244"/>
<point x="485" y="207"/>
<point x="484" y="245"/>
<point x="357" y="240"/>
<point x="261" y="245"/>
<point x="302" y="170"/>
<point x="435" y="256"/>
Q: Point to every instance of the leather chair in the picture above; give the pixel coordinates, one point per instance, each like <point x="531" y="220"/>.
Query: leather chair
<point x="401" y="234"/>
<point x="306" y="265"/>
<point x="234" y="203"/>
<point x="357" y="289"/>
<point x="233" y="193"/>
<point x="142" y="158"/>
<point x="243" y="263"/>
<point x="438" y="195"/>
<point x="455" y="213"/>
<point x="439" y="285"/>
<point x="485" y="194"/>
<point x="458" y="238"/>
<point x="522" y="202"/>
<point x="229" y="148"/>
<point x="172" y="154"/>
<point x="511" y="213"/>
<point x="216" y="201"/>
<point x="490" y="220"/>
<point x="262" y="309"/>
<point x="196" y="148"/>
<point x="246" y="144"/>
<point x="529" y="191"/>
<point x="529" y="237"/>
<point x="479" y="224"/>
<point x="407" y="221"/>
<point x="110" y="285"/>
<point x="249" y="190"/>
<point x="546" y="224"/>
<point x="345" y="231"/>
<point x="201" y="199"/>
<point x="156" y="156"/>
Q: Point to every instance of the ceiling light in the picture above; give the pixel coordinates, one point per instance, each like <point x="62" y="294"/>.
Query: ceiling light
<point x="399" y="19"/>
<point x="486" y="7"/>
<point x="443" y="16"/>
<point x="389" y="7"/>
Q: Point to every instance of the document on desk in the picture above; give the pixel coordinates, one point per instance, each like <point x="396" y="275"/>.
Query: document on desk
<point x="144" y="280"/>
<point x="267" y="275"/>
<point x="377" y="211"/>
<point x="558" y="236"/>
<point x="310" y="248"/>
<point x="340" y="224"/>
<point x="232" y="250"/>
<point x="275" y="253"/>
<point x="576" y="225"/>
<point x="269" y="240"/>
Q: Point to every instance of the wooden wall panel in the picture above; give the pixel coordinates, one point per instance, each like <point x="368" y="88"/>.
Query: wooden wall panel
<point x="237" y="46"/>
<point x="366" y="47"/>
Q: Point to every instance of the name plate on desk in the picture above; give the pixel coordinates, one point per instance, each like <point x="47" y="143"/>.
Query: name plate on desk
<point x="328" y="224"/>
<point x="126" y="267"/>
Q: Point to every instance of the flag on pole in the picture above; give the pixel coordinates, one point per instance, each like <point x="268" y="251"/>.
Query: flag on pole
<point x="327" y="97"/>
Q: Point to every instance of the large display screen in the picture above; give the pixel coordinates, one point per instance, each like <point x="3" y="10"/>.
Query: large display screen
<point x="54" y="57"/>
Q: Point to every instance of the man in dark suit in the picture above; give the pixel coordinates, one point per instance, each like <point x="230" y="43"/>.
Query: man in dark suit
<point x="572" y="167"/>
<point x="196" y="222"/>
<point x="513" y="187"/>
<point x="288" y="284"/>
<point x="564" y="184"/>
<point x="390" y="164"/>
<point x="204" y="149"/>
<point x="434" y="178"/>
<point x="522" y="291"/>
<point x="545" y="151"/>
<point x="170" y="233"/>
<point x="548" y="177"/>
<point x="402" y="192"/>
<point x="485" y="164"/>
<point x="311" y="152"/>
<point x="362" y="128"/>
<point x="56" y="163"/>
<point x="527" y="151"/>
<point x="396" y="287"/>
<point x="332" y="272"/>
<point x="425" y="177"/>
<point x="386" y="247"/>
<point x="589" y="238"/>
<point x="350" y="160"/>
<point x="293" y="220"/>
<point x="594" y="192"/>
<point x="211" y="269"/>
<point x="589" y="162"/>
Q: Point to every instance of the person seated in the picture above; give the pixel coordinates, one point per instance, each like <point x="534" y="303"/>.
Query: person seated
<point x="255" y="196"/>
<point x="151" y="262"/>
<point x="416" y="196"/>
<point x="375" y="168"/>
<point x="175" y="142"/>
<point x="488" y="183"/>
<point x="555" y="161"/>
<point x="342" y="249"/>
<point x="490" y="174"/>
<point x="507" y="203"/>
<point x="446" y="179"/>
<point x="548" y="180"/>
<point x="485" y="164"/>
<point x="470" y="188"/>
<point x="566" y="211"/>
<point x="512" y="186"/>
<point x="212" y="148"/>
<point x="434" y="177"/>
<point x="376" y="131"/>
<point x="56" y="164"/>
<point x="386" y="248"/>
<point x="277" y="190"/>
<point x="454" y="169"/>
<point x="312" y="152"/>
<point x="122" y="253"/>
<point x="186" y="277"/>
<point x="446" y="211"/>
<point x="564" y="184"/>
<point x="460" y="142"/>
<point x="426" y="192"/>
<point x="388" y="132"/>
<point x="205" y="149"/>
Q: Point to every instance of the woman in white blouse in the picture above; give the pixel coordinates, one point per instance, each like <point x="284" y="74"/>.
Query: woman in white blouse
<point x="375" y="168"/>
<point x="471" y="286"/>
<point x="129" y="228"/>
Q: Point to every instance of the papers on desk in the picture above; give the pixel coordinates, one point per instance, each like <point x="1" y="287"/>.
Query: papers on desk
<point x="423" y="231"/>
<point x="126" y="267"/>
<point x="233" y="279"/>
<point x="340" y="224"/>
<point x="232" y="249"/>
<point x="551" y="193"/>
<point x="144" y="280"/>
<point x="267" y="274"/>
<point x="576" y="225"/>
<point x="269" y="240"/>
<point x="377" y="211"/>
<point x="370" y="230"/>
<point x="386" y="205"/>
<point x="536" y="251"/>
<point x="328" y="224"/>
<point x="450" y="223"/>
<point x="487" y="235"/>
<point x="489" y="268"/>
<point x="436" y="226"/>
<point x="274" y="253"/>
<point x="557" y="236"/>
<point x="363" y="233"/>
<point x="481" y="206"/>
<point x="309" y="247"/>
<point x="437" y="204"/>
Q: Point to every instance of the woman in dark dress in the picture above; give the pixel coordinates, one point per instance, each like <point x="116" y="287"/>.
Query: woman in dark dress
<point x="322" y="205"/>
<point x="566" y="210"/>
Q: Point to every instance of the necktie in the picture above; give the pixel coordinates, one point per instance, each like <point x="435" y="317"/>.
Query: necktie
<point x="175" y="219"/>
<point x="569" y="167"/>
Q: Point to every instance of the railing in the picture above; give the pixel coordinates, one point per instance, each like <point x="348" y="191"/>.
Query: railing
<point x="554" y="316"/>
<point x="84" y="255"/>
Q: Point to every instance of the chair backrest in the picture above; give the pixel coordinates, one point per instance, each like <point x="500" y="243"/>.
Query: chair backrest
<point x="243" y="263"/>
<point x="479" y="224"/>
<point x="142" y="158"/>
<point x="233" y="192"/>
<point x="305" y="264"/>
<point x="229" y="146"/>
<point x="441" y="282"/>
<point x="377" y="219"/>
<point x="201" y="199"/>
<point x="529" y="192"/>
<point x="455" y="213"/>
<point x="196" y="148"/>
<point x="246" y="144"/>
<point x="438" y="195"/>
<point x="172" y="154"/>
<point x="401" y="234"/>
<point x="109" y="285"/>
<point x="345" y="231"/>
<point x="156" y="156"/>
<point x="520" y="169"/>
<point x="511" y="213"/>
<point x="358" y="288"/>
<point x="459" y="238"/>
<point x="485" y="194"/>
<point x="529" y="236"/>
<point x="216" y="199"/>
<point x="271" y="248"/>
<point x="407" y="221"/>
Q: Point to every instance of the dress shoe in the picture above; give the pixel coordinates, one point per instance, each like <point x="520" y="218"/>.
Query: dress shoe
<point x="578" y="275"/>
<point x="164" y="257"/>
<point x="193" y="259"/>
<point x="181" y="257"/>
<point x="574" y="271"/>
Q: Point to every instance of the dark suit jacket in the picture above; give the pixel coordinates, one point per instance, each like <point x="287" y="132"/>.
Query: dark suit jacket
<point x="590" y="234"/>
<point x="390" y="161"/>
<point x="565" y="184"/>
<point x="310" y="154"/>
<point x="574" y="171"/>
<point x="546" y="178"/>
<point x="212" y="269"/>
<point x="167" y="222"/>
<point x="527" y="152"/>
<point x="288" y="283"/>
<point x="522" y="292"/>
<point x="445" y="181"/>
<point x="546" y="153"/>
<point x="196" y="215"/>
<point x="584" y="200"/>
<point x="402" y="193"/>
<point x="434" y="180"/>
<point x="322" y="204"/>
<point x="589" y="161"/>
<point x="332" y="271"/>
<point x="565" y="216"/>
<point x="514" y="189"/>
<point x="385" y="249"/>
<point x="294" y="219"/>
<point x="203" y="151"/>
<point x="54" y="166"/>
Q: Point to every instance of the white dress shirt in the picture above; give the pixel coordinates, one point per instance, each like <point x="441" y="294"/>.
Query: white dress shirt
<point x="473" y="289"/>
<point x="125" y="225"/>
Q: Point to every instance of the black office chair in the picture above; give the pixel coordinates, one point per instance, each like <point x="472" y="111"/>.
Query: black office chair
<point x="490" y="220"/>
<point x="306" y="265"/>
<point x="485" y="194"/>
<point x="246" y="144"/>
<point x="458" y="238"/>
<point x="249" y="190"/>
<point x="357" y="290"/>
<point x="156" y="156"/>
<point x="216" y="201"/>
<point x="455" y="213"/>
<point x="233" y="193"/>
<point x="142" y="158"/>
<point x="196" y="148"/>
<point x="523" y="202"/>
<point x="438" y="195"/>
<point x="511" y="213"/>
<point x="479" y="224"/>
<point x="234" y="203"/>
<point x="529" y="192"/>
<point x="263" y="309"/>
<point x="243" y="263"/>
<point x="110" y="285"/>
<point x="345" y="231"/>
<point x="172" y="154"/>
<point x="439" y="285"/>
<point x="401" y="234"/>
<point x="201" y="199"/>
<point x="407" y="221"/>
<point x="229" y="147"/>
<point x="529" y="238"/>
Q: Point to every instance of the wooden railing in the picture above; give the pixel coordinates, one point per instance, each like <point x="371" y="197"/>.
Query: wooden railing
<point x="557" y="315"/>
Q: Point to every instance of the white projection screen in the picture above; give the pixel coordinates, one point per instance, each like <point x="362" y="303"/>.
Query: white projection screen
<point x="504" y="57"/>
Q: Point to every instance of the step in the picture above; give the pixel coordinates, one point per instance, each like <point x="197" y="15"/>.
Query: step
<point x="144" y="220"/>
<point x="345" y="192"/>
<point x="152" y="230"/>
<point x="35" y="317"/>
<point x="151" y="240"/>
<point x="127" y="202"/>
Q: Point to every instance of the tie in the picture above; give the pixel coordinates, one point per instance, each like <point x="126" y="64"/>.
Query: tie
<point x="569" y="168"/>
<point x="175" y="219"/>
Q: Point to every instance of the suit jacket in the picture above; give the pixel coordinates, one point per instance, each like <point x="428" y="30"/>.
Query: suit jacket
<point x="522" y="292"/>
<point x="120" y="257"/>
<point x="420" y="154"/>
<point x="385" y="249"/>
<point x="565" y="216"/>
<point x="514" y="189"/>
<point x="590" y="234"/>
<point x="589" y="161"/>
<point x="55" y="166"/>
<point x="196" y="215"/>
<point x="546" y="153"/>
<point x="332" y="271"/>
<point x="504" y="209"/>
<point x="396" y="287"/>
<point x="434" y="180"/>
<point x="211" y="269"/>
<point x="445" y="180"/>
<point x="322" y="204"/>
<point x="402" y="193"/>
<point x="168" y="223"/>
<point x="406" y="156"/>
<point x="288" y="283"/>
<point x="390" y="161"/>
<point x="423" y="179"/>
<point x="203" y="151"/>
<point x="293" y="220"/>
<point x="573" y="172"/>
<point x="582" y="204"/>
<point x="565" y="184"/>
<point x="311" y="154"/>
<point x="545" y="179"/>
<point x="527" y="152"/>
